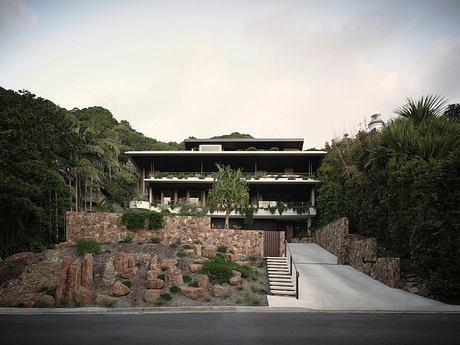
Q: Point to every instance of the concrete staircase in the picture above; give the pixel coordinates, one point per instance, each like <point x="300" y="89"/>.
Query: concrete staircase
<point x="278" y="276"/>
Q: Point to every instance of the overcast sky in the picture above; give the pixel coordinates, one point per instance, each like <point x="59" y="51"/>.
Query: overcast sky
<point x="173" y="69"/>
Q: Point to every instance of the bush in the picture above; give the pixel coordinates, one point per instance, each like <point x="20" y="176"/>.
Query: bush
<point x="63" y="303"/>
<point x="174" y="289"/>
<point x="108" y="304"/>
<point x="155" y="240"/>
<point x="42" y="304"/>
<point x="222" y="249"/>
<point x="138" y="220"/>
<point x="127" y="239"/>
<point x="187" y="246"/>
<point x="181" y="254"/>
<point x="161" y="276"/>
<point x="78" y="302"/>
<point x="128" y="283"/>
<point x="252" y="258"/>
<point x="166" y="297"/>
<point x="219" y="269"/>
<point x="197" y="242"/>
<point x="87" y="246"/>
<point x="47" y="290"/>
<point x="187" y="279"/>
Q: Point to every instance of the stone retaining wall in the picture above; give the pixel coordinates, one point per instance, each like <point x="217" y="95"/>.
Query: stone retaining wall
<point x="107" y="227"/>
<point x="356" y="251"/>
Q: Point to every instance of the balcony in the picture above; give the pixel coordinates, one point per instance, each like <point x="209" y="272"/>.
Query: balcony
<point x="255" y="177"/>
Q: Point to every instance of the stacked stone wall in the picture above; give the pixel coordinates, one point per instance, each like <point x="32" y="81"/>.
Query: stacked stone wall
<point x="359" y="252"/>
<point x="107" y="227"/>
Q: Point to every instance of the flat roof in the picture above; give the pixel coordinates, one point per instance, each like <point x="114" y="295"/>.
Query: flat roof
<point x="225" y="153"/>
<point x="245" y="140"/>
<point x="232" y="144"/>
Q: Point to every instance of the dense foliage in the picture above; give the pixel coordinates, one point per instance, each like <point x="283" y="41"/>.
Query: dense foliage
<point x="402" y="185"/>
<point x="220" y="269"/>
<point x="87" y="246"/>
<point x="54" y="160"/>
<point x="138" y="220"/>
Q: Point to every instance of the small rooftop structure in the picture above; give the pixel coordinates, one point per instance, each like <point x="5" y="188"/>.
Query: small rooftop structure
<point x="241" y="144"/>
<point x="376" y="122"/>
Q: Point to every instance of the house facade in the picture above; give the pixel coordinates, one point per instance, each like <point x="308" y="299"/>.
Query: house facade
<point x="281" y="178"/>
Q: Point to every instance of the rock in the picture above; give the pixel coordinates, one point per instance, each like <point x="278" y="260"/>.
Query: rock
<point x="195" y="267"/>
<point x="221" y="290"/>
<point x="155" y="284"/>
<point x="129" y="273"/>
<point x="192" y="292"/>
<point x="83" y="294"/>
<point x="208" y="252"/>
<point x="145" y="258"/>
<point x="203" y="281"/>
<point x="28" y="300"/>
<point x="246" y="263"/>
<point x="62" y="280"/>
<point x="87" y="271"/>
<point x="236" y="280"/>
<point x="103" y="300"/>
<point x="232" y="256"/>
<point x="189" y="252"/>
<point x="109" y="276"/>
<point x="236" y="273"/>
<point x="154" y="262"/>
<point x="119" y="289"/>
<point x="153" y="274"/>
<point x="19" y="256"/>
<point x="73" y="278"/>
<point x="151" y="296"/>
<point x="174" y="276"/>
<point x="47" y="299"/>
<point x="66" y="244"/>
<point x="168" y="263"/>
<point x="197" y="248"/>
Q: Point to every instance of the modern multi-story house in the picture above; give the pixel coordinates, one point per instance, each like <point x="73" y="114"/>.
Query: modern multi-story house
<point x="281" y="179"/>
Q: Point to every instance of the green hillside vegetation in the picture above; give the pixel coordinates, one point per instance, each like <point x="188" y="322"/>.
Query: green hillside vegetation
<point x="402" y="186"/>
<point x="234" y="135"/>
<point x="54" y="160"/>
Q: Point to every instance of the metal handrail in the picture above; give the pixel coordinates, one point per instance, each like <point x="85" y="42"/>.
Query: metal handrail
<point x="292" y="263"/>
<point x="269" y="174"/>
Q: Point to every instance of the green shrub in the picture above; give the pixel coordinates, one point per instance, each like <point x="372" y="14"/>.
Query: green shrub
<point x="139" y="220"/>
<point x="127" y="239"/>
<point x="78" y="302"/>
<point x="161" y="276"/>
<point x="181" y="254"/>
<point x="128" y="283"/>
<point x="87" y="246"/>
<point x="47" y="290"/>
<point x="186" y="279"/>
<point x="187" y="246"/>
<point x="252" y="300"/>
<point x="222" y="249"/>
<point x="251" y="148"/>
<point x="206" y="299"/>
<point x="219" y="269"/>
<point x="63" y="303"/>
<point x="252" y="258"/>
<point x="173" y="245"/>
<point x="274" y="148"/>
<point x="260" y="264"/>
<point x="41" y="304"/>
<point x="155" y="240"/>
<point x="166" y="297"/>
<point x="174" y="289"/>
<point x="193" y="284"/>
<point x="159" y="302"/>
<point x="197" y="242"/>
<point x="108" y="304"/>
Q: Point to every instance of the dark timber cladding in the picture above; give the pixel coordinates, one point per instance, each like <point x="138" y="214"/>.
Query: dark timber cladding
<point x="245" y="143"/>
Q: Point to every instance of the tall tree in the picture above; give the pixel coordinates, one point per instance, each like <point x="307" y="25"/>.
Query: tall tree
<point x="229" y="191"/>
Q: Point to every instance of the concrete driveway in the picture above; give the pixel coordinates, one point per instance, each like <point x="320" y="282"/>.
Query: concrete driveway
<point x="324" y="285"/>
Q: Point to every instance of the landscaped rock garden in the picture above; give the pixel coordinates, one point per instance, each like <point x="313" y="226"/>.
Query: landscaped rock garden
<point x="132" y="275"/>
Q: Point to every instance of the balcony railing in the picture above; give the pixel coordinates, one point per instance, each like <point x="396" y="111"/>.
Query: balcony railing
<point x="248" y="175"/>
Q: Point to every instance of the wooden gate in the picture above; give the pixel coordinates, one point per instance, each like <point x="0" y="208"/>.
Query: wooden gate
<point x="272" y="243"/>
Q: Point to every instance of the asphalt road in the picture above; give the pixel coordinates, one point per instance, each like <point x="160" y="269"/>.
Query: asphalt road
<point x="231" y="328"/>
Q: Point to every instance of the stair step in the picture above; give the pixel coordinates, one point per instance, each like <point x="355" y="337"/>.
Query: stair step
<point x="281" y="288"/>
<point x="275" y="257"/>
<point x="282" y="292"/>
<point x="278" y="270"/>
<point x="276" y="260"/>
<point x="280" y="281"/>
<point x="285" y="276"/>
<point x="286" y="283"/>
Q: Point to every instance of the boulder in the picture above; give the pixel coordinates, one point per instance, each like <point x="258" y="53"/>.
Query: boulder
<point x="119" y="289"/>
<point x="151" y="296"/>
<point x="83" y="294"/>
<point x="189" y="252"/>
<point x="155" y="284"/>
<point x="236" y="273"/>
<point x="103" y="299"/>
<point x="28" y="300"/>
<point x="153" y="274"/>
<point x="174" y="276"/>
<point x="208" y="252"/>
<point x="73" y="278"/>
<point x="87" y="271"/>
<point x="129" y="273"/>
<point x="192" y="292"/>
<point x="62" y="279"/>
<point x="236" y="278"/>
<point x="221" y="290"/>
<point x="197" y="248"/>
<point x="195" y="267"/>
<point x="47" y="299"/>
<point x="19" y="256"/>
<point x="154" y="262"/>
<point x="203" y="281"/>
<point x="168" y="263"/>
<point x="125" y="264"/>
<point x="66" y="244"/>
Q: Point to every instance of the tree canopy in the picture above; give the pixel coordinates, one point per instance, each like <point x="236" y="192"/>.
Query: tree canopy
<point x="229" y="191"/>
